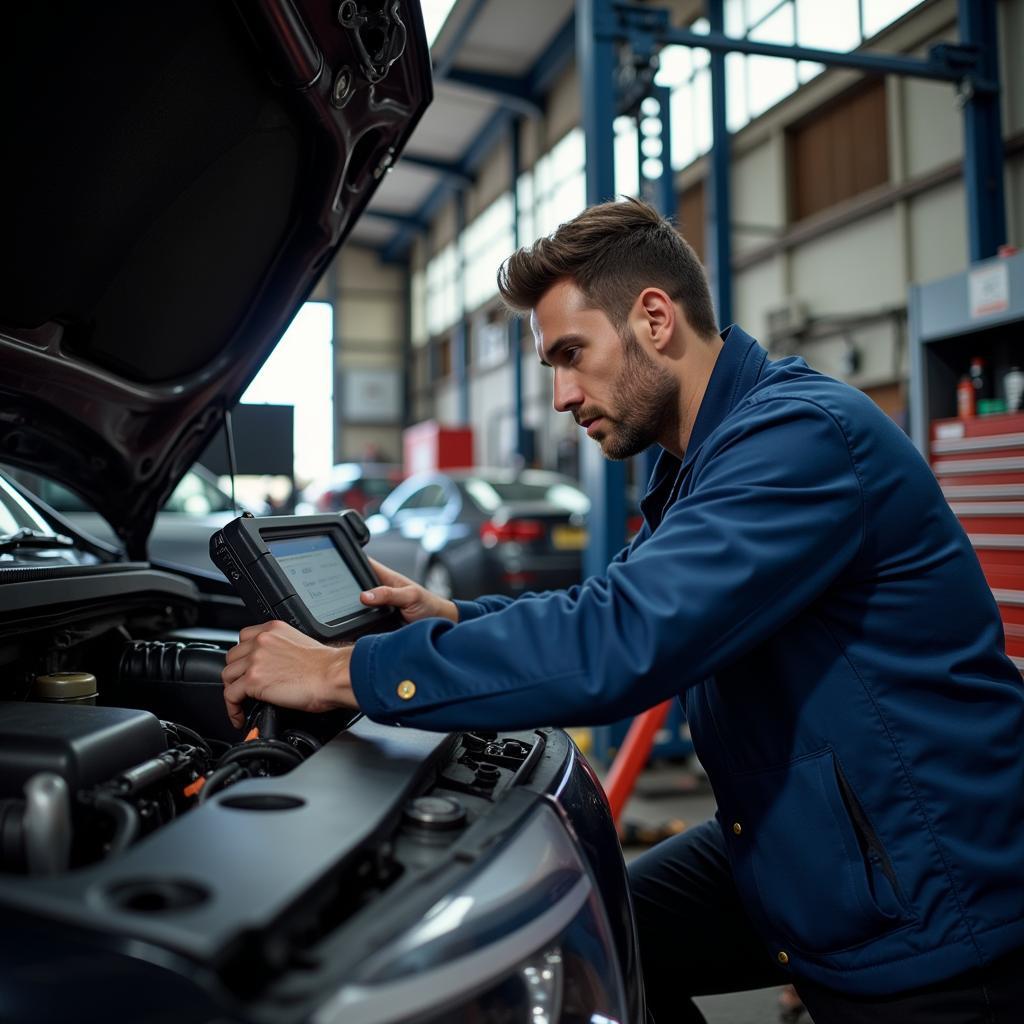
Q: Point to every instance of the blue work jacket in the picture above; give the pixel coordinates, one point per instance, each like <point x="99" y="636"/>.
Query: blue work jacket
<point x="802" y="584"/>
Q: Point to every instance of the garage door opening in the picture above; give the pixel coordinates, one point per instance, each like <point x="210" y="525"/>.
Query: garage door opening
<point x="300" y="373"/>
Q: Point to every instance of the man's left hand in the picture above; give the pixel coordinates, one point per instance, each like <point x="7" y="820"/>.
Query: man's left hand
<point x="274" y="662"/>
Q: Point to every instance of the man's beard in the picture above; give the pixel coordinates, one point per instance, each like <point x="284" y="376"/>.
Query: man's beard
<point x="647" y="397"/>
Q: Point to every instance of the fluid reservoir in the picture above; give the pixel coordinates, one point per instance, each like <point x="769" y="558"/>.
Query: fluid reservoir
<point x="65" y="688"/>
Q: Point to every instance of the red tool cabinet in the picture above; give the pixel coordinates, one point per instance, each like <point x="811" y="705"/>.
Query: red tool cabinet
<point x="979" y="463"/>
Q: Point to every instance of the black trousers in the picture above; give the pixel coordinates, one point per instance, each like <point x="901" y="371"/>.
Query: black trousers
<point x="696" y="939"/>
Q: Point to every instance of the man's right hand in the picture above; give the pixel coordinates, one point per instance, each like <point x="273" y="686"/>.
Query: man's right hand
<point x="412" y="600"/>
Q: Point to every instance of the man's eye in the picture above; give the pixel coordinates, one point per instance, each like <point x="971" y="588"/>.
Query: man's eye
<point x="572" y="354"/>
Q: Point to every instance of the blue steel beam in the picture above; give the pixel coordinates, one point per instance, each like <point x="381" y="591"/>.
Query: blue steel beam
<point x="513" y="91"/>
<point x="719" y="208"/>
<point x="486" y="138"/>
<point x="557" y="56"/>
<point x="457" y="174"/>
<point x="945" y="63"/>
<point x="408" y="220"/>
<point x="972" y="65"/>
<point x="444" y="63"/>
<point x="524" y="93"/>
<point x="552" y="62"/>
<point x="983" y="134"/>
<point x="603" y="480"/>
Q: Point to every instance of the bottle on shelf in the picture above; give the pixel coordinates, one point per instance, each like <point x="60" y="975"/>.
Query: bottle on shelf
<point x="1013" y="388"/>
<point x="965" y="400"/>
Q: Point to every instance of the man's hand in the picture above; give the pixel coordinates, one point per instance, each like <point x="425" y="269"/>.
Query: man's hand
<point x="414" y="602"/>
<point x="276" y="663"/>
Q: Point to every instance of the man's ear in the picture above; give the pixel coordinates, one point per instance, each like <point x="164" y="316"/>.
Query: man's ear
<point x="658" y="312"/>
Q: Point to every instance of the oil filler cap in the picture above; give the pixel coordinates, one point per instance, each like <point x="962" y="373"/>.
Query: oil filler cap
<point x="436" y="813"/>
<point x="65" y="688"/>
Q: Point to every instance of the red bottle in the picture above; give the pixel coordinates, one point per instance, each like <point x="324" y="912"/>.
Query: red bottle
<point x="965" y="398"/>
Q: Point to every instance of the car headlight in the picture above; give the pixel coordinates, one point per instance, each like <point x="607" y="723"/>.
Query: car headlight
<point x="525" y="940"/>
<point x="570" y="981"/>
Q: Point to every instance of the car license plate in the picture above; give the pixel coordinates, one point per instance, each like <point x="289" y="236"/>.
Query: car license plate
<point x="568" y="538"/>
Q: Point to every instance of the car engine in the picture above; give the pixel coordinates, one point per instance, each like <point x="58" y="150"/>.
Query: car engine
<point x="288" y="871"/>
<point x="82" y="780"/>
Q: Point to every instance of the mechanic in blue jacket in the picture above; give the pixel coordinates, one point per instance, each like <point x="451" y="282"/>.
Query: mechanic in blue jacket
<point x="802" y="585"/>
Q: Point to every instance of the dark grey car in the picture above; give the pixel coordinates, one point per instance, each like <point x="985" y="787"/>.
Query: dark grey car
<point x="483" y="531"/>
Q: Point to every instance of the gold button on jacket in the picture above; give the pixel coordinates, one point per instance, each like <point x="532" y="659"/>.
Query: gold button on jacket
<point x="406" y="689"/>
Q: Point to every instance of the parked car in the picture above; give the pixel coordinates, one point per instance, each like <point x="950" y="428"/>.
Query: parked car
<point x="359" y="485"/>
<point x="180" y="183"/>
<point x="483" y="531"/>
<point x="181" y="532"/>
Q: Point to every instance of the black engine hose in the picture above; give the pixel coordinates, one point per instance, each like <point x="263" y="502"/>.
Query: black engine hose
<point x="257" y="745"/>
<point x="219" y="779"/>
<point x="125" y="818"/>
<point x="189" y="734"/>
<point x="263" y="750"/>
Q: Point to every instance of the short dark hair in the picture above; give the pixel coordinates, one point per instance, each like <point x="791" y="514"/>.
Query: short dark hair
<point x="611" y="252"/>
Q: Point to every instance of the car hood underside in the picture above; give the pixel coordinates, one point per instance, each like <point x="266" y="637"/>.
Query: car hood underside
<point x="183" y="176"/>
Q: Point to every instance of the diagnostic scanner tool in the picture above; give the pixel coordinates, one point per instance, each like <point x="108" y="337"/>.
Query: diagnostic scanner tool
<point x="307" y="571"/>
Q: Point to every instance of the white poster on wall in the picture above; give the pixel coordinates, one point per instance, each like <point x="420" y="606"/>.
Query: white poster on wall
<point x="371" y="396"/>
<point x="989" y="290"/>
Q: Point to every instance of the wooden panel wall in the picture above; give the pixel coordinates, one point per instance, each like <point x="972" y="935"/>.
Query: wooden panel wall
<point x="839" y="152"/>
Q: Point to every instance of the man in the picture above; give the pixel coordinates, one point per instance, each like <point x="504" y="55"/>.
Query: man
<point x="802" y="584"/>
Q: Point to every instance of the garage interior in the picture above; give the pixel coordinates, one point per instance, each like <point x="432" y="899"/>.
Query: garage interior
<point x="850" y="174"/>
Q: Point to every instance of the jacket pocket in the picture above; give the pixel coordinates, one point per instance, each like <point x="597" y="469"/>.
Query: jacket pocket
<point x="823" y="879"/>
<point x="881" y="875"/>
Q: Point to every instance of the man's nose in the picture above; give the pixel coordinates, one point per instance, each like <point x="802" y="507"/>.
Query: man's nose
<point x="567" y="393"/>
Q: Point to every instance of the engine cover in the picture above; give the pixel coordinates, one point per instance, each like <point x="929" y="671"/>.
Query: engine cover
<point x="85" y="745"/>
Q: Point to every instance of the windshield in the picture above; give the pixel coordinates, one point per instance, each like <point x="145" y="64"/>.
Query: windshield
<point x="15" y="513"/>
<point x="27" y="539"/>
<point x="195" y="495"/>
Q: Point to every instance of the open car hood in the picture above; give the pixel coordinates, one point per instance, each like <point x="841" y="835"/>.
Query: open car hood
<point x="182" y="177"/>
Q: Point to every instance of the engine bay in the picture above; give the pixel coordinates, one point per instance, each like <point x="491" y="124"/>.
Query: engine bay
<point x="305" y="867"/>
<point x="112" y="718"/>
<point x="82" y="780"/>
<point x="262" y="868"/>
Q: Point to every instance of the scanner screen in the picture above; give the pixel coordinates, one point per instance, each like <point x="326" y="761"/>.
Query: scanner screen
<point x="322" y="580"/>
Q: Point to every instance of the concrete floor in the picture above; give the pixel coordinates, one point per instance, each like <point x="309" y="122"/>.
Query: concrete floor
<point x="668" y="791"/>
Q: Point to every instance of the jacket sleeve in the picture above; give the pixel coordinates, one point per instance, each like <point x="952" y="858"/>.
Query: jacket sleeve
<point x="774" y="516"/>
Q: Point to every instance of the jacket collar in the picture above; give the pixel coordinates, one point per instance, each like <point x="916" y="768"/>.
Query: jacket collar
<point x="736" y="371"/>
